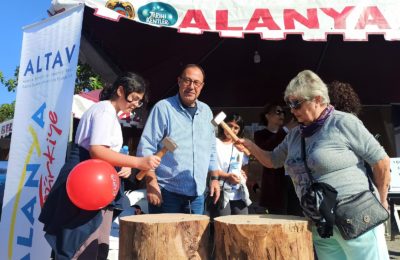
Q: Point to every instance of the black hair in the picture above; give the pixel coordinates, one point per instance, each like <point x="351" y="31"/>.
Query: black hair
<point x="188" y="66"/>
<point x="344" y="98"/>
<point x="232" y="117"/>
<point x="267" y="109"/>
<point x="136" y="206"/>
<point x="131" y="82"/>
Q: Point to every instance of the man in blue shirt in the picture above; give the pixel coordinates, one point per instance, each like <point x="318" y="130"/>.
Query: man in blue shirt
<point x="178" y="184"/>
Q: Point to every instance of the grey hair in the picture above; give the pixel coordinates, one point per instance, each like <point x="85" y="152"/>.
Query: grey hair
<point x="307" y="85"/>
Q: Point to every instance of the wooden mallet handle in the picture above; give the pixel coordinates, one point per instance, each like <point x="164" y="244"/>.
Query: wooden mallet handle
<point x="234" y="137"/>
<point x="160" y="154"/>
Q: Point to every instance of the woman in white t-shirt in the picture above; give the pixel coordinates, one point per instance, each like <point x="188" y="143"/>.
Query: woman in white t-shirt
<point x="232" y="176"/>
<point x="76" y="233"/>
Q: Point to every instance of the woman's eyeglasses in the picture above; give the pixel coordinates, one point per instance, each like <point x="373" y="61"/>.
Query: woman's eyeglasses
<point x="295" y="104"/>
<point x="138" y="102"/>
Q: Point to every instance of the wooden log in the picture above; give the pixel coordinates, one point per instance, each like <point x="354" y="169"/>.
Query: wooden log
<point x="164" y="236"/>
<point x="255" y="237"/>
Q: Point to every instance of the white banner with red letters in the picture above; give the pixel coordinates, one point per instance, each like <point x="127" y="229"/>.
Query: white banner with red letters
<point x="41" y="123"/>
<point x="272" y="20"/>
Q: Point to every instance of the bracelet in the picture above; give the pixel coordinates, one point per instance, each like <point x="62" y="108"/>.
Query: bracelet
<point x="214" y="178"/>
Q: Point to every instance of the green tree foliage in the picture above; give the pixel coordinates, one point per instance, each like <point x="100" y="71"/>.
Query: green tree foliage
<point x="86" y="80"/>
<point x="7" y="111"/>
<point x="10" y="84"/>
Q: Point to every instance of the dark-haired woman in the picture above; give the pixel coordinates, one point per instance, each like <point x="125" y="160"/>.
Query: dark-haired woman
<point x="277" y="190"/>
<point x="74" y="233"/>
<point x="232" y="177"/>
<point x="344" y="98"/>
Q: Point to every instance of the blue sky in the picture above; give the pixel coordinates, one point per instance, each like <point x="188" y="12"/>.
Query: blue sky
<point x="12" y="19"/>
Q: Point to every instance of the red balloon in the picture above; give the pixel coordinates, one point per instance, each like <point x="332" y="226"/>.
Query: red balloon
<point x="92" y="184"/>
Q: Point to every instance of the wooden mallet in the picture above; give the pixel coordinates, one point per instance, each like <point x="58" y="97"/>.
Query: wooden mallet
<point x="219" y="120"/>
<point x="169" y="145"/>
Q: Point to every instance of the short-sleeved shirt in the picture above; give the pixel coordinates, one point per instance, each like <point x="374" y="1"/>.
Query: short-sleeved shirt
<point x="230" y="160"/>
<point x="99" y="125"/>
<point x="335" y="155"/>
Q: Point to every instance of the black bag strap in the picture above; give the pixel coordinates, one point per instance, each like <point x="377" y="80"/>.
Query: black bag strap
<point x="303" y="156"/>
<point x="371" y="187"/>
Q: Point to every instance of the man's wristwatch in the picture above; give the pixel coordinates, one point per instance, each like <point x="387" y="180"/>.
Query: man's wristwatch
<point x="214" y="178"/>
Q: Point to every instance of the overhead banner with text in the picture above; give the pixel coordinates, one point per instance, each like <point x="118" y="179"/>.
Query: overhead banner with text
<point x="273" y="20"/>
<point x="41" y="123"/>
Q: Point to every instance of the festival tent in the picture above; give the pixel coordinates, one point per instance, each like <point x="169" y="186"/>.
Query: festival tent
<point x="249" y="50"/>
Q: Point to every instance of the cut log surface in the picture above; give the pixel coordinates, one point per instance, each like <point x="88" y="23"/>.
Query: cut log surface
<point x="164" y="236"/>
<point x="255" y="237"/>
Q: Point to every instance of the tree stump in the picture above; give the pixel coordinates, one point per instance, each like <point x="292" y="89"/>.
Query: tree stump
<point x="263" y="237"/>
<point x="164" y="236"/>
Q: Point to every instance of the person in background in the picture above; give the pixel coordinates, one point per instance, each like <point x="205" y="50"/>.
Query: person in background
<point x="138" y="209"/>
<point x="277" y="191"/>
<point x="232" y="173"/>
<point x="336" y="146"/>
<point x="74" y="233"/>
<point x="344" y="98"/>
<point x="179" y="183"/>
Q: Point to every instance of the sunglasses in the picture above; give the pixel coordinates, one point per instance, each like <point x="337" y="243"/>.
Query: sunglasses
<point x="280" y="112"/>
<point x="295" y="104"/>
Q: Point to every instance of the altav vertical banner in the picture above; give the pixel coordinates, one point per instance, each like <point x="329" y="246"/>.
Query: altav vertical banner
<point x="40" y="130"/>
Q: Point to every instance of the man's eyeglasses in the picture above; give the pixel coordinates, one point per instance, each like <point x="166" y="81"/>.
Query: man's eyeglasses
<point x="280" y="112"/>
<point x="189" y="81"/>
<point x="295" y="104"/>
<point x="138" y="101"/>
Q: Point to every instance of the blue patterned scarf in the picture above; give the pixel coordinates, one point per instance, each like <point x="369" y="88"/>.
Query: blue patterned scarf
<point x="309" y="130"/>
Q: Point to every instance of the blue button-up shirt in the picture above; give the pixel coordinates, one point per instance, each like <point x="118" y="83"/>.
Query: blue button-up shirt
<point x="185" y="170"/>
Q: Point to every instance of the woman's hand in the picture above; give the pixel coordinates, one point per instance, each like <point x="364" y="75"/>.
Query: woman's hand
<point x="149" y="162"/>
<point x="232" y="178"/>
<point x="125" y="172"/>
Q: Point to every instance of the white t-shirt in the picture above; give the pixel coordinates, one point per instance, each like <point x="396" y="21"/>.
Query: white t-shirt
<point x="230" y="160"/>
<point x="99" y="125"/>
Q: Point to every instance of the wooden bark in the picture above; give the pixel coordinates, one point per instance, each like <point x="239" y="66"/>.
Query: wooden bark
<point x="264" y="237"/>
<point x="164" y="236"/>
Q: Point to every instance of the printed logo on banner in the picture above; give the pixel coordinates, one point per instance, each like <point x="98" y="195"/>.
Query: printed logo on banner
<point x="30" y="172"/>
<point x="158" y="13"/>
<point x="49" y="62"/>
<point x="53" y="133"/>
<point x="124" y="8"/>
